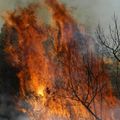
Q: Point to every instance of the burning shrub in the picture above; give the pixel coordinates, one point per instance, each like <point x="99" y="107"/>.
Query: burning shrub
<point x="57" y="75"/>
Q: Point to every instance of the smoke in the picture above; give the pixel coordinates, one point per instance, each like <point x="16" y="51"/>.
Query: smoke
<point x="8" y="110"/>
<point x="88" y="12"/>
<point x="92" y="12"/>
<point x="22" y="118"/>
<point x="8" y="107"/>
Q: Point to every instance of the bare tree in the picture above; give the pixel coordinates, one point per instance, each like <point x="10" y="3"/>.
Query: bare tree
<point x="86" y="79"/>
<point x="111" y="42"/>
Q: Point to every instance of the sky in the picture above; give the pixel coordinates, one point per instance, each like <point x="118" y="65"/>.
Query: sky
<point x="88" y="12"/>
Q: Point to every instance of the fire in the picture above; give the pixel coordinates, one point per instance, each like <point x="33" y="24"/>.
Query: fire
<point x="41" y="90"/>
<point x="50" y="64"/>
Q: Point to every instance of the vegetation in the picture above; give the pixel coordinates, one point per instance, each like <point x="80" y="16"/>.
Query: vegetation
<point x="111" y="44"/>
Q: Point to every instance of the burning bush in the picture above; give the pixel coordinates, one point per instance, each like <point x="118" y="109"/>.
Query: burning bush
<point x="58" y="76"/>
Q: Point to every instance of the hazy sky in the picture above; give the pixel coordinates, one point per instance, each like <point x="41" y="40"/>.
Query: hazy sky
<point x="88" y="12"/>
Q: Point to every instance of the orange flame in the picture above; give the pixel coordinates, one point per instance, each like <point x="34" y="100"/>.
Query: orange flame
<point x="49" y="61"/>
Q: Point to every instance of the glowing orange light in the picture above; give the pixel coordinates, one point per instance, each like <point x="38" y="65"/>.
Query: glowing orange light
<point x="40" y="91"/>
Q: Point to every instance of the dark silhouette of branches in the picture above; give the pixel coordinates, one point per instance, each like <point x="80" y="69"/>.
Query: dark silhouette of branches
<point x="85" y="78"/>
<point x="92" y="85"/>
<point x="112" y="40"/>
